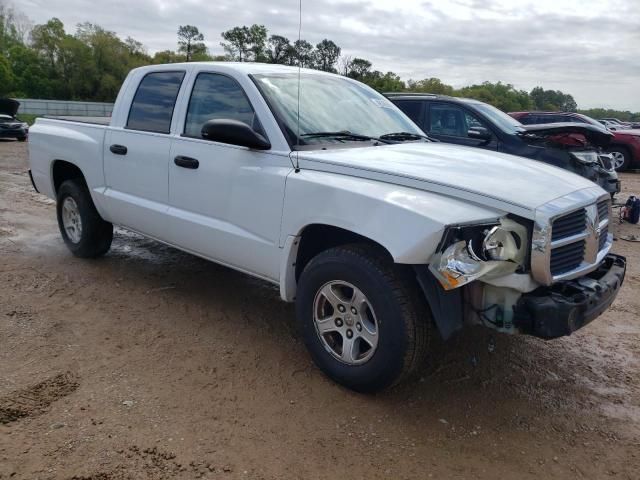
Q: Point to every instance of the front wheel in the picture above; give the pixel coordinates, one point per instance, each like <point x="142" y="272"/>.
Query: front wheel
<point x="364" y="322"/>
<point x="83" y="230"/>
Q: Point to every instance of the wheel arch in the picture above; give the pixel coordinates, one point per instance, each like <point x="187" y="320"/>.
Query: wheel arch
<point x="63" y="170"/>
<point x="307" y="243"/>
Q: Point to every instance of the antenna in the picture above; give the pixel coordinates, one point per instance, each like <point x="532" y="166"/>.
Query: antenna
<point x="297" y="165"/>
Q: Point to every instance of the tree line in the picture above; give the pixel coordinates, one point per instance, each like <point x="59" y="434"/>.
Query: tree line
<point x="44" y="61"/>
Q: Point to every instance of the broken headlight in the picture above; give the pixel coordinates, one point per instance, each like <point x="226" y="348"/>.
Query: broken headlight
<point x="471" y="252"/>
<point x="586" y="157"/>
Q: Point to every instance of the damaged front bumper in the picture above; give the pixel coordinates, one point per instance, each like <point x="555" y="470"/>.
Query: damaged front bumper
<point x="564" y="307"/>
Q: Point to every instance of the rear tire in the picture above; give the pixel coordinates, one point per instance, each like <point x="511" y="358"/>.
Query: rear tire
<point x="387" y="326"/>
<point x="82" y="228"/>
<point x="621" y="158"/>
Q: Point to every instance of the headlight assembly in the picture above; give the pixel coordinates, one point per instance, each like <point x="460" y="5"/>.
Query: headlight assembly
<point x="586" y="157"/>
<point x="480" y="251"/>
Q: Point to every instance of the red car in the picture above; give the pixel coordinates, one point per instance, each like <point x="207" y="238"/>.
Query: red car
<point x="624" y="147"/>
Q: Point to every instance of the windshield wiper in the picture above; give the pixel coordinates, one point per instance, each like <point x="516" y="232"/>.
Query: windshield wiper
<point x="399" y="136"/>
<point x="346" y="135"/>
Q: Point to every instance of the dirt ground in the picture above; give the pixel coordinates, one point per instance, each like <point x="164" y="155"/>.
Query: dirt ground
<point x="153" y="364"/>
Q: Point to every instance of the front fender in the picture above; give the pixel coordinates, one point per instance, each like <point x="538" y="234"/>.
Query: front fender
<point x="409" y="223"/>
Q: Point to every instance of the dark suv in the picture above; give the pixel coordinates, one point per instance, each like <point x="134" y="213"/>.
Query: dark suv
<point x="571" y="146"/>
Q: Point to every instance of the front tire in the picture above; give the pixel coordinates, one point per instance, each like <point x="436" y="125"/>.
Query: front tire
<point x="82" y="228"/>
<point x="22" y="139"/>
<point x="364" y="321"/>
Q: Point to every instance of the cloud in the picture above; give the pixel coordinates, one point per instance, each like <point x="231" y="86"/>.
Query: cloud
<point x="588" y="51"/>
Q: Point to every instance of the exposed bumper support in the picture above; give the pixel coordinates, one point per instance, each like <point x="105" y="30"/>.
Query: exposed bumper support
<point x="564" y="307"/>
<point x="447" y="306"/>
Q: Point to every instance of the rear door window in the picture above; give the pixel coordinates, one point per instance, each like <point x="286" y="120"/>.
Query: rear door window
<point x="154" y="101"/>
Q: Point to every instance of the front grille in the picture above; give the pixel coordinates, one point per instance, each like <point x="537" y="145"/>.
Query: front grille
<point x="603" y="210"/>
<point x="568" y="245"/>
<point x="602" y="240"/>
<point x="568" y="225"/>
<point x="567" y="258"/>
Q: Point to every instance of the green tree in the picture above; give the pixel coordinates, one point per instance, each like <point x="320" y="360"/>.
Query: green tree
<point x="30" y="73"/>
<point x="168" y="56"/>
<point x="552" y="100"/>
<point x="501" y="95"/>
<point x="430" y="85"/>
<point x="237" y="43"/>
<point x="279" y="49"/>
<point x="304" y="55"/>
<point x="47" y="39"/>
<point x="359" y="68"/>
<point x="258" y="43"/>
<point x="384" y="82"/>
<point x="326" y="56"/>
<point x="191" y="42"/>
<point x="6" y="76"/>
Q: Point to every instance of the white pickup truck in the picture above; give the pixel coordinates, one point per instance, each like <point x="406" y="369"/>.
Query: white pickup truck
<point x="320" y="185"/>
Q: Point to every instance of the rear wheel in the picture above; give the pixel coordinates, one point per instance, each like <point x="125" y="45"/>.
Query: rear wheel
<point x="621" y="158"/>
<point x="84" y="232"/>
<point x="364" y="322"/>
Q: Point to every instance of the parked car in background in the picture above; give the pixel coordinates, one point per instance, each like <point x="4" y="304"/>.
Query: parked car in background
<point x="620" y="122"/>
<point x="378" y="234"/>
<point x="10" y="126"/>
<point x="624" y="147"/>
<point x="613" y="125"/>
<point x="573" y="147"/>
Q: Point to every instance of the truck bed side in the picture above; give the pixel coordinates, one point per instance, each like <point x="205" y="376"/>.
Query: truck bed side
<point x="81" y="144"/>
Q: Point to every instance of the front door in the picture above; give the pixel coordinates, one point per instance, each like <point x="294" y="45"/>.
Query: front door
<point x="452" y="123"/>
<point x="226" y="200"/>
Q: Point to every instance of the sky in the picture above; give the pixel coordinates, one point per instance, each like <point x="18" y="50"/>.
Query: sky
<point x="588" y="48"/>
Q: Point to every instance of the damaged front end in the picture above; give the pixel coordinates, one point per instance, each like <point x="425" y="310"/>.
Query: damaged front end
<point x="576" y="147"/>
<point x="482" y="274"/>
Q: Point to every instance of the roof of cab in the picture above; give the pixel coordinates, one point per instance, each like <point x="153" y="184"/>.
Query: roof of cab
<point x="244" y="67"/>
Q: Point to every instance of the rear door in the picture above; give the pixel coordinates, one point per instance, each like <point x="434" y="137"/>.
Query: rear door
<point x="136" y="156"/>
<point x="226" y="200"/>
<point x="451" y="123"/>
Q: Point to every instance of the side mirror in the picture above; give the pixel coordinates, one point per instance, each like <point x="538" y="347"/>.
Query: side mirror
<point x="234" y="132"/>
<point x="479" y="133"/>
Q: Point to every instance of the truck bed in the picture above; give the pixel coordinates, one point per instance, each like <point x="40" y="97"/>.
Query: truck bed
<point x="77" y="140"/>
<point x="93" y="120"/>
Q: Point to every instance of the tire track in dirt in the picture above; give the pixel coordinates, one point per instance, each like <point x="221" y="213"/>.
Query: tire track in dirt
<point x="37" y="398"/>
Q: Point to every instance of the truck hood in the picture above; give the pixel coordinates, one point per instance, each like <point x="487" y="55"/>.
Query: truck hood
<point x="599" y="137"/>
<point x="513" y="184"/>
<point x="9" y="106"/>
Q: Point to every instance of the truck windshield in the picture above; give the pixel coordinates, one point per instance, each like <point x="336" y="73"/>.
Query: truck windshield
<point x="331" y="104"/>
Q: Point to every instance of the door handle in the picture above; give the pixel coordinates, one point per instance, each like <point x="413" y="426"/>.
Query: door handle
<point x="186" y="162"/>
<point x="118" y="149"/>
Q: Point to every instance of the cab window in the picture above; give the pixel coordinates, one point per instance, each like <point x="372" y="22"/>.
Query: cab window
<point x="217" y="96"/>
<point x="154" y="101"/>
